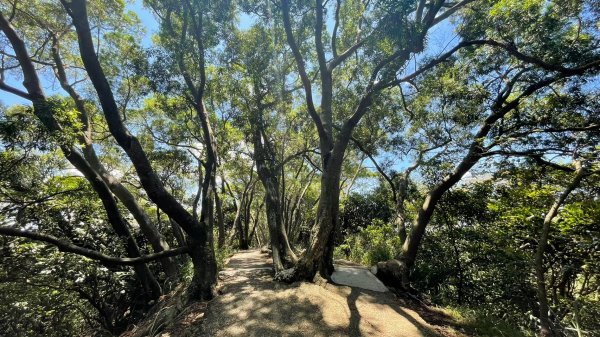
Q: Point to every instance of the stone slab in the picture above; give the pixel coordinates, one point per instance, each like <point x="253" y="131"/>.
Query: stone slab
<point x="358" y="277"/>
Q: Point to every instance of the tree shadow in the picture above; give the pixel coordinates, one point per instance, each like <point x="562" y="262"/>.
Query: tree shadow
<point x="257" y="306"/>
<point x="384" y="299"/>
<point x="354" y="326"/>
<point x="252" y="304"/>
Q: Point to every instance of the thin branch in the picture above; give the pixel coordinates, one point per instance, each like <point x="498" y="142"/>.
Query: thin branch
<point x="379" y="169"/>
<point x="68" y="247"/>
<point x="450" y="11"/>
<point x="285" y="9"/>
<point x="512" y="50"/>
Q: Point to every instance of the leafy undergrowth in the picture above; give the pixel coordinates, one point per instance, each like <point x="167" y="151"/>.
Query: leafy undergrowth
<point x="461" y="322"/>
<point x="171" y="316"/>
<point x="475" y="323"/>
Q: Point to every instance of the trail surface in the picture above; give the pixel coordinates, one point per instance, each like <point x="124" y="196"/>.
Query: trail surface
<point x="252" y="304"/>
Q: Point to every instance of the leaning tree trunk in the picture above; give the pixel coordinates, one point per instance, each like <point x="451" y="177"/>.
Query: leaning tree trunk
<point x="118" y="223"/>
<point x="44" y="110"/>
<point x="201" y="251"/>
<point x="546" y="326"/>
<point x="156" y="239"/>
<point x="396" y="272"/>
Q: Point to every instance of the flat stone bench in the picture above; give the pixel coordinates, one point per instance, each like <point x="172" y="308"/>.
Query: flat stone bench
<point x="357" y="276"/>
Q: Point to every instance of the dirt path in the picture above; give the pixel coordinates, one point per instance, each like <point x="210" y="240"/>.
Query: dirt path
<point x="252" y="304"/>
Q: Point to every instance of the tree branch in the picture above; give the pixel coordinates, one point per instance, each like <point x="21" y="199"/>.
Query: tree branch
<point x="512" y="50"/>
<point x="450" y="11"/>
<point x="13" y="90"/>
<point x="68" y="247"/>
<point x="285" y="9"/>
<point x="335" y="29"/>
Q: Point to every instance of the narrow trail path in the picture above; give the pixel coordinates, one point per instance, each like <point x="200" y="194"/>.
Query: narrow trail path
<point x="252" y="304"/>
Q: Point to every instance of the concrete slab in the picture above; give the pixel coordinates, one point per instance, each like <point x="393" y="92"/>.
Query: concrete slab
<point x="358" y="277"/>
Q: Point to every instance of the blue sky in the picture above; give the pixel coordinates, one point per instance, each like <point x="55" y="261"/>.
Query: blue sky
<point x="442" y="37"/>
<point x="151" y="26"/>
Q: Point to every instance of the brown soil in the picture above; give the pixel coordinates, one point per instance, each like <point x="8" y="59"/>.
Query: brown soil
<point x="252" y="304"/>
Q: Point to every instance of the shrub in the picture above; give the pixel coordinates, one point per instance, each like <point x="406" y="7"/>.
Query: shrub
<point x="378" y="241"/>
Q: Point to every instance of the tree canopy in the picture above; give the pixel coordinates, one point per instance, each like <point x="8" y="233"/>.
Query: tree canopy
<point x="452" y="145"/>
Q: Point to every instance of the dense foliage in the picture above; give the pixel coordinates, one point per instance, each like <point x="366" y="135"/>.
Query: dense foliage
<point x="451" y="144"/>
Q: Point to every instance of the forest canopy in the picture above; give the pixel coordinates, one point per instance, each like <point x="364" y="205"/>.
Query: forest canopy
<point x="452" y="145"/>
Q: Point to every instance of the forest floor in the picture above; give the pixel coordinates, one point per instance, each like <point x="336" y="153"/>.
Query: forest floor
<point x="252" y="304"/>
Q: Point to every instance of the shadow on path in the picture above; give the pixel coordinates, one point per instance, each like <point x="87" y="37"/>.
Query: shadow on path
<point x="252" y="304"/>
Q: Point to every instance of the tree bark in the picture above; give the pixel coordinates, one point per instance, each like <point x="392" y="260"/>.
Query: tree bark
<point x="267" y="168"/>
<point x="317" y="262"/>
<point x="546" y="326"/>
<point x="200" y="232"/>
<point x="220" y="217"/>
<point x="206" y="276"/>
<point x="43" y="109"/>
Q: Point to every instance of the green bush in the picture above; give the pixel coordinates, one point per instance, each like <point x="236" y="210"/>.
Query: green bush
<point x="477" y="323"/>
<point x="376" y="242"/>
<point x="222" y="255"/>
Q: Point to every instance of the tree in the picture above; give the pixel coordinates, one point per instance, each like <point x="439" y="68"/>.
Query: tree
<point x="527" y="78"/>
<point x="403" y="35"/>
<point x="199" y="231"/>
<point x="46" y="110"/>
<point x="259" y="58"/>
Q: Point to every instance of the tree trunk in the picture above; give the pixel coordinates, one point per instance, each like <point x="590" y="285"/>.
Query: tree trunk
<point x="220" y="217"/>
<point x="118" y="223"/>
<point x="205" y="274"/>
<point x="43" y="109"/>
<point x="317" y="262"/>
<point x="200" y="250"/>
<point x="244" y="239"/>
<point x="267" y="168"/>
<point x="177" y="233"/>
<point x="156" y="239"/>
<point x="153" y="235"/>
<point x="203" y="257"/>
<point x="255" y="224"/>
<point x="281" y="250"/>
<point x="400" y="215"/>
<point x="546" y="326"/>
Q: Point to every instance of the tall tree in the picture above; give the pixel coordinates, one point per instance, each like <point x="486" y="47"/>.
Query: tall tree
<point x="258" y="56"/>
<point x="385" y="35"/>
<point x="199" y="231"/>
<point x="496" y="116"/>
<point x="46" y="110"/>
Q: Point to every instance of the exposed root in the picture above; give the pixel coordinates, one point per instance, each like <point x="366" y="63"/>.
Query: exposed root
<point x="287" y="275"/>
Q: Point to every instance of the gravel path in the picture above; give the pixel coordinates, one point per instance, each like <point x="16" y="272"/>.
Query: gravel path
<point x="252" y="304"/>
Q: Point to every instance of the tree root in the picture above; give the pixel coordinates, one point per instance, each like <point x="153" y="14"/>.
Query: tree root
<point x="289" y="275"/>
